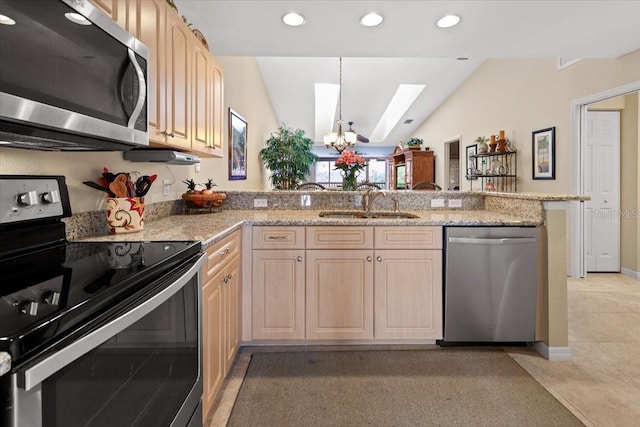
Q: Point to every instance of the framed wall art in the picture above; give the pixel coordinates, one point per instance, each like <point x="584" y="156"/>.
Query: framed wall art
<point x="237" y="146"/>
<point x="543" y="149"/>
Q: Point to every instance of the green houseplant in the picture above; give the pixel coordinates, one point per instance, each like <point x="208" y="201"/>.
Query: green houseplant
<point x="414" y="142"/>
<point x="288" y="156"/>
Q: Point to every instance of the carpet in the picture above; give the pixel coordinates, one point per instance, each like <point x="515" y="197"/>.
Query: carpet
<point x="452" y="387"/>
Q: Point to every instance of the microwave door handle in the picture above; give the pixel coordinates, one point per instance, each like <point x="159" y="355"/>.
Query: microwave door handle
<point x="36" y="374"/>
<point x="142" y="90"/>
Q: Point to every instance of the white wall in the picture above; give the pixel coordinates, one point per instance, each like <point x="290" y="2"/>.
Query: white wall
<point x="520" y="96"/>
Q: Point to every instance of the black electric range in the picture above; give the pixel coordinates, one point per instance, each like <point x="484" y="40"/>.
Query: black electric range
<point x="50" y="287"/>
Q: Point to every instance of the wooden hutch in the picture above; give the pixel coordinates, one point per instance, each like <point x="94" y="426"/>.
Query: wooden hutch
<point x="410" y="166"/>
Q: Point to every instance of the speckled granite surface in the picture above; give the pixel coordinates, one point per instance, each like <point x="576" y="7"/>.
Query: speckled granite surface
<point x="168" y="221"/>
<point x="209" y="228"/>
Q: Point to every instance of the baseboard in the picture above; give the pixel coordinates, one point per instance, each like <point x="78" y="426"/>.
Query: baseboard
<point x="630" y="273"/>
<point x="553" y="353"/>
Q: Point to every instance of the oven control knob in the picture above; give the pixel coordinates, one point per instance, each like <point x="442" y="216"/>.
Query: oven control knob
<point x="29" y="307"/>
<point x="51" y="298"/>
<point x="50" y="197"/>
<point x="29" y="198"/>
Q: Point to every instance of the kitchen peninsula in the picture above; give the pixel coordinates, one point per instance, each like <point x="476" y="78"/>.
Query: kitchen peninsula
<point x="546" y="211"/>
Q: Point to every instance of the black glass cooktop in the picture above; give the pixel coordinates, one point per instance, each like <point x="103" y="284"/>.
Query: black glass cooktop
<point x="46" y="293"/>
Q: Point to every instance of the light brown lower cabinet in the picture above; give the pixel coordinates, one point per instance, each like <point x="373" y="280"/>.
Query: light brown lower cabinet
<point x="339" y="288"/>
<point x="220" y="315"/>
<point x="356" y="283"/>
<point x="408" y="294"/>
<point x="278" y="294"/>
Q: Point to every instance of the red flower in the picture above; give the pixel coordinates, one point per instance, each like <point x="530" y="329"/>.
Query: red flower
<point x="350" y="162"/>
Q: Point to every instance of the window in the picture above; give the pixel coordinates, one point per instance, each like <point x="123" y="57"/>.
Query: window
<point x="375" y="171"/>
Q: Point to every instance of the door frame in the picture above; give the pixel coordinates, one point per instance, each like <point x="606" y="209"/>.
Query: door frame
<point x="447" y="158"/>
<point x="578" y="118"/>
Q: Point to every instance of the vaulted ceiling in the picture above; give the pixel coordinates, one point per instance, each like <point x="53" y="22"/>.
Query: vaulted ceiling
<point x="407" y="48"/>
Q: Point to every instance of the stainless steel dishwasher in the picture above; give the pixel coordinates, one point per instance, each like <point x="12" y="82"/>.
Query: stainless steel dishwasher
<point x="490" y="284"/>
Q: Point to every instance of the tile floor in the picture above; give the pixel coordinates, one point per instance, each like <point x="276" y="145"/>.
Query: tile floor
<point x="600" y="385"/>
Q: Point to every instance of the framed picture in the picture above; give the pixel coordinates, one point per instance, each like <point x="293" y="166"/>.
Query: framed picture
<point x="237" y="146"/>
<point x="544" y="153"/>
<point x="472" y="161"/>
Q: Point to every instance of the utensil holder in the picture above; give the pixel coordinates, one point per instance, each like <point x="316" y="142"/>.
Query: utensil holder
<point x="125" y="214"/>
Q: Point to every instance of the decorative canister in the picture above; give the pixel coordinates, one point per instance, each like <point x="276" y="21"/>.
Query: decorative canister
<point x="125" y="214"/>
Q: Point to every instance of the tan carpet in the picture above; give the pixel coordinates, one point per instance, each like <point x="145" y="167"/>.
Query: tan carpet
<point x="446" y="387"/>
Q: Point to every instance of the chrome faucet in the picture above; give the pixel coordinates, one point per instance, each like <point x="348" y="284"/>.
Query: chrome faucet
<point x="369" y="197"/>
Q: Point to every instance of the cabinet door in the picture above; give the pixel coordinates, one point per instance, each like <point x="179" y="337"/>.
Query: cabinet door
<point x="231" y="312"/>
<point x="113" y="8"/>
<point x="212" y="340"/>
<point x="278" y="294"/>
<point x="339" y="294"/>
<point x="178" y="78"/>
<point x="217" y="109"/>
<point x="201" y="97"/>
<point x="408" y="289"/>
<point x="146" y="21"/>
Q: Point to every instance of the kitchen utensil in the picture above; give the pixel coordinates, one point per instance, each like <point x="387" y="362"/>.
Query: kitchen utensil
<point x="110" y="177"/>
<point x="98" y="187"/>
<point x="118" y="188"/>
<point x="143" y="184"/>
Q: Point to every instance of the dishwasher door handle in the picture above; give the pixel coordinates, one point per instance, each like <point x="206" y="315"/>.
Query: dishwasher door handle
<point x="492" y="241"/>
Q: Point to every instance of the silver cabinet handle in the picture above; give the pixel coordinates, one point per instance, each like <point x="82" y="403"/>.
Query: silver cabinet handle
<point x="369" y="259"/>
<point x="165" y="133"/>
<point x="299" y="259"/>
<point x="142" y="90"/>
<point x="277" y="237"/>
<point x="379" y="259"/>
<point x="31" y="377"/>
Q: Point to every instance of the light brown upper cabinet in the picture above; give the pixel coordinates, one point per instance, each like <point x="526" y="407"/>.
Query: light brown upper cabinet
<point x="185" y="83"/>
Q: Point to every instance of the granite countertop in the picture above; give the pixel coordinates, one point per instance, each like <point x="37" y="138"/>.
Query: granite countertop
<point x="210" y="228"/>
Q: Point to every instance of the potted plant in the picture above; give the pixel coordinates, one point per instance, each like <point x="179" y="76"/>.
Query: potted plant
<point x="288" y="156"/>
<point x="481" y="141"/>
<point x="414" y="143"/>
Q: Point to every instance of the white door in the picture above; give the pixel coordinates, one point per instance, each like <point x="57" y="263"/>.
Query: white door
<point x="602" y="177"/>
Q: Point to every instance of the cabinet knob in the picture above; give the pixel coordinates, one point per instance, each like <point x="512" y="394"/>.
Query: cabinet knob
<point x="165" y="133"/>
<point x="379" y="259"/>
<point x="369" y="259"/>
<point x="299" y="259"/>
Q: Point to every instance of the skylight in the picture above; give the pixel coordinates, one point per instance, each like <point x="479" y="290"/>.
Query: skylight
<point x="399" y="104"/>
<point x="326" y="106"/>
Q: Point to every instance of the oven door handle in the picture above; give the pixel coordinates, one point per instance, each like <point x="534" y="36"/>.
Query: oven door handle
<point x="37" y="373"/>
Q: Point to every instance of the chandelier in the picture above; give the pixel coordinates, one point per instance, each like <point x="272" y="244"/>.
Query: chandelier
<point x="340" y="140"/>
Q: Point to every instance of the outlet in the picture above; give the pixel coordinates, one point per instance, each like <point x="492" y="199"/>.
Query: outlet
<point x="259" y="203"/>
<point x="305" y="200"/>
<point x="455" y="203"/>
<point x="437" y="203"/>
<point x="197" y="165"/>
<point x="166" y="186"/>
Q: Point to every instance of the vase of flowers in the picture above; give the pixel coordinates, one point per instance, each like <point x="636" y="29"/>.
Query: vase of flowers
<point x="350" y="165"/>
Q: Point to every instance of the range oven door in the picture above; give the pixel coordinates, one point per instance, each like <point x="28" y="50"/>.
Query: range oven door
<point x="140" y="367"/>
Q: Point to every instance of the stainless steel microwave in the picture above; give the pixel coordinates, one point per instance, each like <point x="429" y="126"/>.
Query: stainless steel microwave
<point x="71" y="79"/>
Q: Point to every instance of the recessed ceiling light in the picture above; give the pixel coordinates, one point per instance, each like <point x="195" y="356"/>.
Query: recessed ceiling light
<point x="448" y="21"/>
<point x="293" y="19"/>
<point x="76" y="18"/>
<point x="5" y="20"/>
<point x="371" y="19"/>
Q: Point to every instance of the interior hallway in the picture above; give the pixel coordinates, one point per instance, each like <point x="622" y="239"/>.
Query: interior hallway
<point x="601" y="385"/>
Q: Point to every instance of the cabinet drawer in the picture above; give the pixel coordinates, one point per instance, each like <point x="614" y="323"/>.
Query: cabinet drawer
<point x="342" y="237"/>
<point x="408" y="237"/>
<point x="265" y="237"/>
<point x="219" y="254"/>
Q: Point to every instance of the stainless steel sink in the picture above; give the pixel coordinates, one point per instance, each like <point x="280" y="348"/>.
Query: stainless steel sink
<point x="364" y="215"/>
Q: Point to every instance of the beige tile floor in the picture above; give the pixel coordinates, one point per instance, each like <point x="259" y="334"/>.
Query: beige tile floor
<point x="600" y="385"/>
